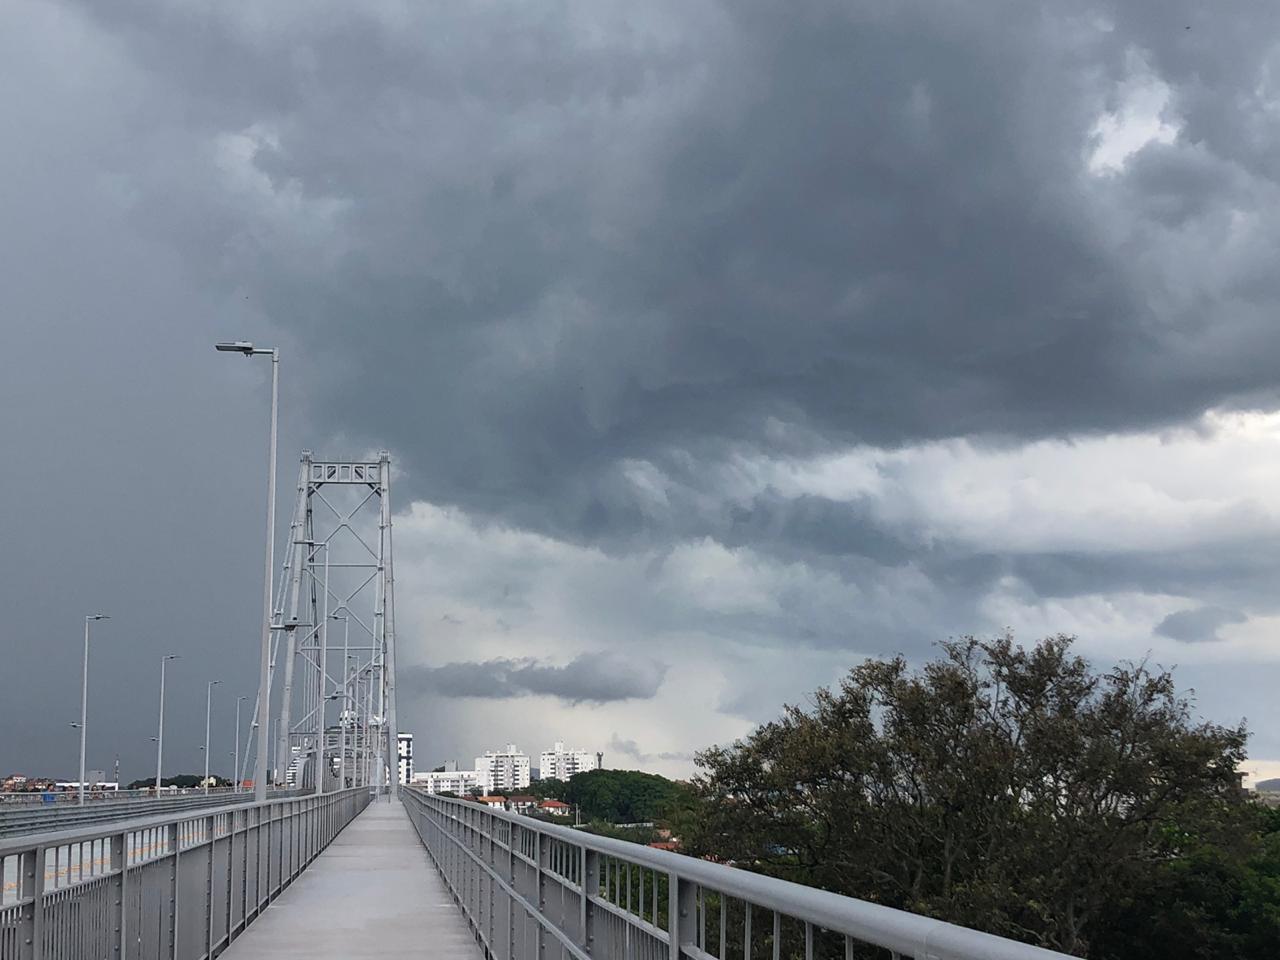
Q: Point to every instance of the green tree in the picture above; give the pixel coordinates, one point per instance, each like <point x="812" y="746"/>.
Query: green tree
<point x="624" y="796"/>
<point x="548" y="788"/>
<point x="183" y="781"/>
<point x="1218" y="898"/>
<point x="1007" y="789"/>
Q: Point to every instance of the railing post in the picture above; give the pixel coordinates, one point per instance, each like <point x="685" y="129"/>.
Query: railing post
<point x="173" y="837"/>
<point x="590" y="879"/>
<point x="543" y="844"/>
<point x="31" y="926"/>
<point x="511" y="901"/>
<point x="231" y="875"/>
<point x="280" y="851"/>
<point x="209" y="828"/>
<point x="257" y="865"/>
<point x="681" y="907"/>
<point x="119" y="886"/>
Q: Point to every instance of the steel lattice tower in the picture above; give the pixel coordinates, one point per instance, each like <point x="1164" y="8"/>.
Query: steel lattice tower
<point x="337" y="590"/>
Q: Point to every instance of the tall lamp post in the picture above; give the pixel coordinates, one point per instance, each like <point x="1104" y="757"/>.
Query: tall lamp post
<point x="208" y="709"/>
<point x="84" y="697"/>
<point x="264" y="674"/>
<point x="160" y="739"/>
<point x="235" y="771"/>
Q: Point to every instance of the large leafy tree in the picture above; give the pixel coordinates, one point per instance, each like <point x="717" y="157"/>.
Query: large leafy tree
<point x="1217" y="899"/>
<point x="1010" y="789"/>
<point x="623" y="796"/>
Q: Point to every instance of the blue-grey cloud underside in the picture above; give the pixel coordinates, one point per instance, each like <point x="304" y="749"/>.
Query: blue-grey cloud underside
<point x="588" y="678"/>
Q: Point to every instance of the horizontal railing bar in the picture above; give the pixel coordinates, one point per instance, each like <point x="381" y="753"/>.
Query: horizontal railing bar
<point x="530" y="909"/>
<point x="83" y="891"/>
<point x="25" y="819"/>
<point x="872" y="923"/>
<point x="632" y="918"/>
<point x="106" y="828"/>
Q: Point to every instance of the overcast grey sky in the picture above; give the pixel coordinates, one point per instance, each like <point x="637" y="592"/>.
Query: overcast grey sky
<point x="718" y="345"/>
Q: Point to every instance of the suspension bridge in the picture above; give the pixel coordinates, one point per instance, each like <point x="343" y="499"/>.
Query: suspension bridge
<point x="334" y="858"/>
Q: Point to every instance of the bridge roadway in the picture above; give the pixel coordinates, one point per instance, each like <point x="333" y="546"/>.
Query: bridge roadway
<point x="373" y="893"/>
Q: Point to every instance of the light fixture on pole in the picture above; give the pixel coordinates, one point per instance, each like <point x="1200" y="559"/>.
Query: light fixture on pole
<point x="264" y="672"/>
<point x="208" y="707"/>
<point x="84" y="697"/>
<point x="160" y="739"/>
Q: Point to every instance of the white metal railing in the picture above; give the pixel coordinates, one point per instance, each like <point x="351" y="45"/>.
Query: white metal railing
<point x="20" y="816"/>
<point x="177" y="886"/>
<point x="533" y="890"/>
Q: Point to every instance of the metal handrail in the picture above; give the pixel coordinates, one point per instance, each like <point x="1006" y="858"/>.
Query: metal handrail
<point x="24" y="818"/>
<point x="79" y="833"/>
<point x="571" y="894"/>
<point x="179" y="885"/>
<point x="62" y="796"/>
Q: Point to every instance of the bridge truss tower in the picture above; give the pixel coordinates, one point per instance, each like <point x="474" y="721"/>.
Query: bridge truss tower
<point x="333" y="630"/>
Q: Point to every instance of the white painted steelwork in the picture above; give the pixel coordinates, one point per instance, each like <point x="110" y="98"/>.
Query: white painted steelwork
<point x="343" y="508"/>
<point x="171" y="887"/>
<point x="533" y="890"/>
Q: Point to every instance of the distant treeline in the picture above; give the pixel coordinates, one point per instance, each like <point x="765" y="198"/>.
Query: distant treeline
<point x="617" y="796"/>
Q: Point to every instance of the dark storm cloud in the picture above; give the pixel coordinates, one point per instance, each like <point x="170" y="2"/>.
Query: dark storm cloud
<point x="1233" y="573"/>
<point x="866" y="222"/>
<point x="588" y="678"/>
<point x="1202" y="624"/>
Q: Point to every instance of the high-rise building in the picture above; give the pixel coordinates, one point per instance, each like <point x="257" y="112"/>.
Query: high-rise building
<point x="404" y="751"/>
<point x="506" y="769"/>
<point x="561" y="764"/>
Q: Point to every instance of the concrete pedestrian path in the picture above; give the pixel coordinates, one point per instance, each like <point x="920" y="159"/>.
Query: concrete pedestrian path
<point x="372" y="894"/>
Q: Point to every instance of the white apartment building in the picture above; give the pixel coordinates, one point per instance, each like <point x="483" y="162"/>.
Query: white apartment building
<point x="563" y="764"/>
<point x="457" y="782"/>
<point x="404" y="750"/>
<point x="504" y="770"/>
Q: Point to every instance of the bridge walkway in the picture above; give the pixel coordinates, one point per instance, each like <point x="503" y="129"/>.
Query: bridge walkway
<point x="372" y="894"/>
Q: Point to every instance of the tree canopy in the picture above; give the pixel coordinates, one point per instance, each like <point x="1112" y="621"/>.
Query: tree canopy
<point x="1010" y="789"/>
<point x="183" y="781"/>
<point x="617" y="796"/>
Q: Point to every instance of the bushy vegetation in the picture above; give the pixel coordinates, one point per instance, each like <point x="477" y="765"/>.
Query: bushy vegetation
<point x="1012" y="790"/>
<point x="617" y="796"/>
<point x="183" y="781"/>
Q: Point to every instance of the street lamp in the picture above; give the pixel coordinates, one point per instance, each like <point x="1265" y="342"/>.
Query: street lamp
<point x="208" y="704"/>
<point x="84" y="697"/>
<point x="264" y="675"/>
<point x="235" y="771"/>
<point x="160" y="739"/>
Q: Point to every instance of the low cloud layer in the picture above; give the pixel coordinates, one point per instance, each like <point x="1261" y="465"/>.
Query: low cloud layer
<point x="588" y="678"/>
<point x="631" y="750"/>
<point x="1199" y="625"/>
